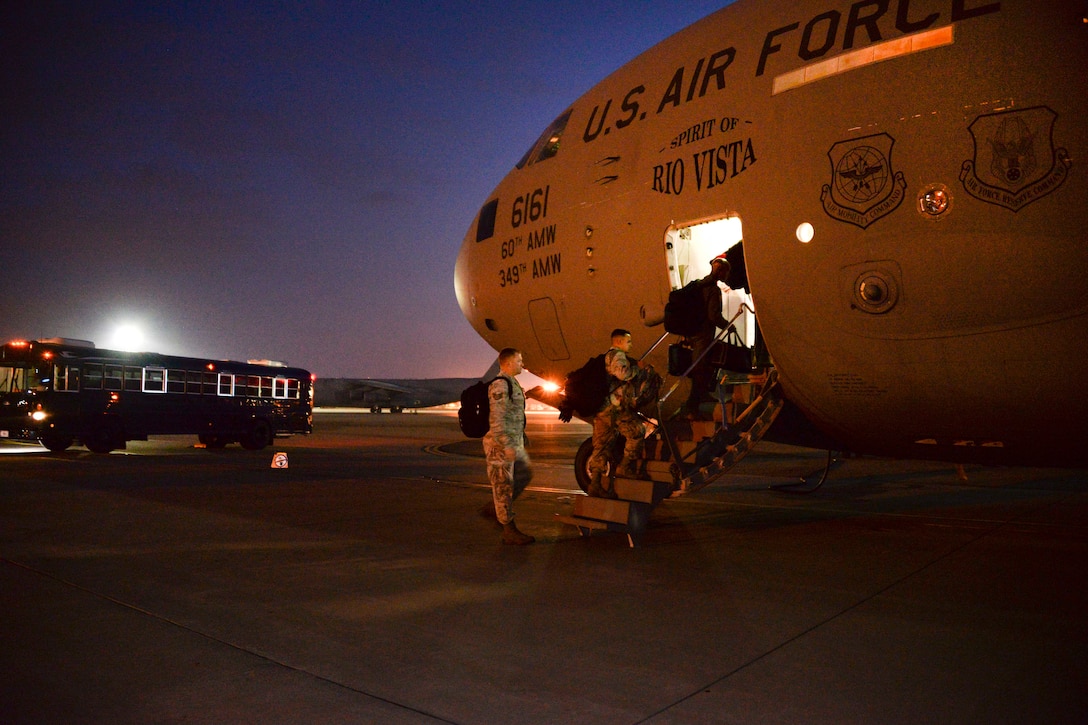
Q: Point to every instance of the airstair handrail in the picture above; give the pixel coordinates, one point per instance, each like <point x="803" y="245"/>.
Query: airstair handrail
<point x="663" y="399"/>
<point x="653" y="347"/>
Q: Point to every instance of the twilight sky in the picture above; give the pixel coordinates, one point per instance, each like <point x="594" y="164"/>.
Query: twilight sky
<point x="278" y="180"/>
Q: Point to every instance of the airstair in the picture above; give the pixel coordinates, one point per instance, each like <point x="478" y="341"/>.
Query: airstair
<point x="683" y="455"/>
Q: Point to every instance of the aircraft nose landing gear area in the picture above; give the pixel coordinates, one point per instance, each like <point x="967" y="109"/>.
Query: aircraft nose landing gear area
<point x="680" y="456"/>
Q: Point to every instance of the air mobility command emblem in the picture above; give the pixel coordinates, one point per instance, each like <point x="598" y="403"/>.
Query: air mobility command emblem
<point x="1015" y="162"/>
<point x="864" y="187"/>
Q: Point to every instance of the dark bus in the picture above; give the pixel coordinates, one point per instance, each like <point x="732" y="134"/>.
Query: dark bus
<point x="61" y="391"/>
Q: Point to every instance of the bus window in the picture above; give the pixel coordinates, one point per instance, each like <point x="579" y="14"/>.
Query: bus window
<point x="253" y="385"/>
<point x="66" y="378"/>
<point x="22" y="380"/>
<point x="8" y="375"/>
<point x="92" y="376"/>
<point x="154" y="380"/>
<point x="175" y="381"/>
<point x="226" y="384"/>
<point x="211" y="382"/>
<point x="134" y="378"/>
<point x="292" y="389"/>
<point x="279" y="387"/>
<point x="266" y="387"/>
<point x="112" y="377"/>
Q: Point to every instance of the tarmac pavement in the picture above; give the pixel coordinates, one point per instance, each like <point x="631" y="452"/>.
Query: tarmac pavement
<point x="170" y="584"/>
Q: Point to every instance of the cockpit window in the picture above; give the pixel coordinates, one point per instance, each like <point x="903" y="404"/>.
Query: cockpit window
<point x="485" y="227"/>
<point x="548" y="144"/>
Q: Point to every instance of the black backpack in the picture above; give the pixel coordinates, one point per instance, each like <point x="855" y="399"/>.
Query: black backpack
<point x="685" y="312"/>
<point x="585" y="389"/>
<point x="474" y="416"/>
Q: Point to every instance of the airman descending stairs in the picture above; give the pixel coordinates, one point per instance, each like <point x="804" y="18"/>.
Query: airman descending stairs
<point x="684" y="455"/>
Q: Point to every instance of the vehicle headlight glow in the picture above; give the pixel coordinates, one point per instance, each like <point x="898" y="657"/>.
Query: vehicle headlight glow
<point x="38" y="415"/>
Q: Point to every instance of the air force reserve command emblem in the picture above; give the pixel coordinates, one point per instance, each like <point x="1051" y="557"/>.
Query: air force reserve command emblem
<point x="863" y="187"/>
<point x="1015" y="161"/>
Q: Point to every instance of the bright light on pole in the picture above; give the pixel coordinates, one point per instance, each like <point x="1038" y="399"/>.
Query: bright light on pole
<point x="128" y="337"/>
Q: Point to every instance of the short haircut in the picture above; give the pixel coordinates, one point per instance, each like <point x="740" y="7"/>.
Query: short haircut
<point x="620" y="332"/>
<point x="507" y="353"/>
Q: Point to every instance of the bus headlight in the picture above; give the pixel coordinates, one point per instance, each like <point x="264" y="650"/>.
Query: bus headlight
<point x="38" y="416"/>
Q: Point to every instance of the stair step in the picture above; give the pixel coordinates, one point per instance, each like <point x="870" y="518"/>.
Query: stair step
<point x="659" y="470"/>
<point x="588" y="526"/>
<point x="584" y="525"/>
<point x="633" y="489"/>
<point x="703" y="429"/>
<point x="633" y="515"/>
<point x="661" y="452"/>
<point x="602" y="509"/>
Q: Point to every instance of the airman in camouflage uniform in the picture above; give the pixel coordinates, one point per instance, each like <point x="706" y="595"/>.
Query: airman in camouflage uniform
<point x="617" y="416"/>
<point x="508" y="466"/>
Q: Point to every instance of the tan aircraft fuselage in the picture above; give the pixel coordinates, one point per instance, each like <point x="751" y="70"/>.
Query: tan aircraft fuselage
<point x="935" y="148"/>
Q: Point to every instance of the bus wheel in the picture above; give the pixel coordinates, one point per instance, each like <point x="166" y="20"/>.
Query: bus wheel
<point x="259" y="436"/>
<point x="55" y="442"/>
<point x="103" y="438"/>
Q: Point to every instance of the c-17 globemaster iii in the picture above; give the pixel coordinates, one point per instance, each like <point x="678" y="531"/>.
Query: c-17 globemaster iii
<point x="907" y="177"/>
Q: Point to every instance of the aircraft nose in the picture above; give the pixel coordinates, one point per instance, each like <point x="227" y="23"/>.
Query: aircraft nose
<point x="466" y="270"/>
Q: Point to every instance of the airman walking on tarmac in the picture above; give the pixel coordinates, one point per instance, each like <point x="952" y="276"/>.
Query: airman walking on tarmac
<point x="508" y="467"/>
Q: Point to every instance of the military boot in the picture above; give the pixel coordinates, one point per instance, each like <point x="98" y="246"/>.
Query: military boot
<point x="511" y="535"/>
<point x="595" y="488"/>
<point x="607" y="487"/>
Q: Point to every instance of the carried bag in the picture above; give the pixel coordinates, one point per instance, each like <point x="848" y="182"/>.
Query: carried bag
<point x="685" y="312"/>
<point x="585" y="389"/>
<point x="731" y="354"/>
<point x="474" y="416"/>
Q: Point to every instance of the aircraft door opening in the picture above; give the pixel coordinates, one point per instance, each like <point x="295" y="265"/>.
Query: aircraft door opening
<point x="688" y="251"/>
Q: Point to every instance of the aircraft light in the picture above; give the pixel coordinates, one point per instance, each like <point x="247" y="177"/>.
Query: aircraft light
<point x="934" y="201"/>
<point x="805" y="233"/>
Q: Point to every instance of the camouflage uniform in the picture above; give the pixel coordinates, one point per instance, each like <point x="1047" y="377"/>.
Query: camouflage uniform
<point x="508" y="466"/>
<point x="616" y="417"/>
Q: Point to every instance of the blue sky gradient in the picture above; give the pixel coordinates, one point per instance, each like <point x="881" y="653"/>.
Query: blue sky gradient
<point x="274" y="180"/>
